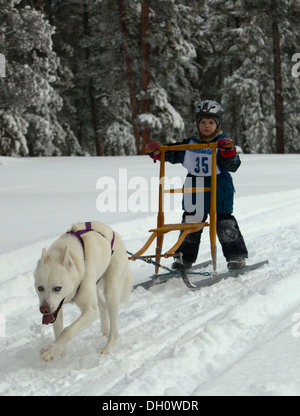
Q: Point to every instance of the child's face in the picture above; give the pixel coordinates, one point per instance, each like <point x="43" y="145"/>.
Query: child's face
<point x="207" y="126"/>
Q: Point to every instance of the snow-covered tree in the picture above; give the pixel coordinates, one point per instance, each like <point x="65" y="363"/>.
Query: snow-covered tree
<point x="290" y="34"/>
<point x="31" y="103"/>
<point x="241" y="71"/>
<point x="175" y="28"/>
<point x="103" y="77"/>
<point x="237" y="70"/>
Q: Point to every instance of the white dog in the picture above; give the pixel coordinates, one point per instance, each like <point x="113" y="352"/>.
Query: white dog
<point x="89" y="257"/>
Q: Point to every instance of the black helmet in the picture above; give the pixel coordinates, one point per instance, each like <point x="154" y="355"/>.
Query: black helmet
<point x="211" y="109"/>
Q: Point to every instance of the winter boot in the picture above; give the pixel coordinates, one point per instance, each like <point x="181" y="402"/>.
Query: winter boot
<point x="236" y="263"/>
<point x="185" y="265"/>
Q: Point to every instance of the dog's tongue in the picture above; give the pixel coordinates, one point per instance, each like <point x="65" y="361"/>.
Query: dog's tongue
<point x="47" y="319"/>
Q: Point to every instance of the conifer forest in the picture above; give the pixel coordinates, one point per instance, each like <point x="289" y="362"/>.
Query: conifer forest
<point x="105" y="77"/>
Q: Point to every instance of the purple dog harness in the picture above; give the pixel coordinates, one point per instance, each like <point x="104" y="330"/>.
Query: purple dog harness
<point x="88" y="227"/>
<point x="78" y="234"/>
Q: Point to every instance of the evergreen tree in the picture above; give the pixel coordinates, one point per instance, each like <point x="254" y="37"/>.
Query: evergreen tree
<point x="70" y="20"/>
<point x="237" y="70"/>
<point x="241" y="69"/>
<point x="290" y="35"/>
<point x="173" y="33"/>
<point x="103" y="77"/>
<point x="89" y="43"/>
<point x="29" y="119"/>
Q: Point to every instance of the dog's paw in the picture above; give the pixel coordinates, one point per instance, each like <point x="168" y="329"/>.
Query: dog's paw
<point x="50" y="353"/>
<point x="110" y="344"/>
<point x="106" y="348"/>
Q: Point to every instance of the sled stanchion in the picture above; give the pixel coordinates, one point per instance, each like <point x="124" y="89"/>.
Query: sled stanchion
<point x="160" y="216"/>
<point x="213" y="210"/>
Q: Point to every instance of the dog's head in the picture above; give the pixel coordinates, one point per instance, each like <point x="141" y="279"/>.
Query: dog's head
<point x="54" y="279"/>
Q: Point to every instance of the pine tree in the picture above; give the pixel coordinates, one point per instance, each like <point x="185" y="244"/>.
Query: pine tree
<point x="100" y="75"/>
<point x="289" y="28"/>
<point x="97" y="100"/>
<point x="70" y="20"/>
<point x="249" y="42"/>
<point x="13" y="125"/>
<point x="173" y="32"/>
<point x="30" y="124"/>
<point x="238" y="70"/>
<point x="102" y="45"/>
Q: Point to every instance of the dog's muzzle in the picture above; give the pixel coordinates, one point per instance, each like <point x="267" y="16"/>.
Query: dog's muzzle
<point x="50" y="318"/>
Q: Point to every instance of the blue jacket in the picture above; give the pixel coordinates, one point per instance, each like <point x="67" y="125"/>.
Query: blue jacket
<point x="225" y="188"/>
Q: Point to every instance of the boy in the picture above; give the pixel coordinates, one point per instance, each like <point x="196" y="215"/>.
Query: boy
<point x="208" y="120"/>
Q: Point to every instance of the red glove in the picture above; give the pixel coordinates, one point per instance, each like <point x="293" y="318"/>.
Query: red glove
<point x="152" y="150"/>
<point x="226" y="147"/>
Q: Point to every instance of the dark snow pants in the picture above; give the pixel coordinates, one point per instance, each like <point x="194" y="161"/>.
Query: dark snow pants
<point x="229" y="235"/>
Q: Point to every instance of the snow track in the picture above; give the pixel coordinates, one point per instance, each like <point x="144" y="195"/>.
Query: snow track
<point x="234" y="338"/>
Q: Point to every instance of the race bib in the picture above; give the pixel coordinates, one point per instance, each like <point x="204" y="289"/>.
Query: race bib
<point x="198" y="162"/>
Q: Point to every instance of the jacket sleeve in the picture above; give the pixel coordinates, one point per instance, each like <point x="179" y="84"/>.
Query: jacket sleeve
<point x="176" y="156"/>
<point x="231" y="164"/>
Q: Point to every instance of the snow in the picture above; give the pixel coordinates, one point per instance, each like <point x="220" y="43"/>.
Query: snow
<point x="239" y="337"/>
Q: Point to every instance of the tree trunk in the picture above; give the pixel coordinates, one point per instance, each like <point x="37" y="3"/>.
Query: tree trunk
<point x="130" y="77"/>
<point x="91" y="88"/>
<point x="145" y="105"/>
<point x="278" y="82"/>
<point x="98" y="141"/>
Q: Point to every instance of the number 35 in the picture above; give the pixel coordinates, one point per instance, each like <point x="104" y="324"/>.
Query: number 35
<point x="201" y="165"/>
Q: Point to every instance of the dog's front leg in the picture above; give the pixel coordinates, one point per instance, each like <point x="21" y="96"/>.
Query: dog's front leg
<point x="113" y="312"/>
<point x="103" y="316"/>
<point x="88" y="315"/>
<point x="87" y="301"/>
<point x="58" y="325"/>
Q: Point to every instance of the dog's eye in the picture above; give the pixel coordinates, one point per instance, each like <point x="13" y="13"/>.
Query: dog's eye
<point x="57" y="289"/>
<point x="40" y="288"/>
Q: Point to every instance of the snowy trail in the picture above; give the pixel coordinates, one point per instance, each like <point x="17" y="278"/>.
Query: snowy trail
<point x="233" y="338"/>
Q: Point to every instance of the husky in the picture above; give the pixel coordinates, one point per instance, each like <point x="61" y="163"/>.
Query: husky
<point x="88" y="265"/>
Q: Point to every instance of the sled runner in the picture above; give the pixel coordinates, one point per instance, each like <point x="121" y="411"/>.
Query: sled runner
<point x="185" y="228"/>
<point x="208" y="278"/>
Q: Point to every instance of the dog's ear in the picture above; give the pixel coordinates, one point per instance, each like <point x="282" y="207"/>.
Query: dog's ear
<point x="44" y="255"/>
<point x="67" y="259"/>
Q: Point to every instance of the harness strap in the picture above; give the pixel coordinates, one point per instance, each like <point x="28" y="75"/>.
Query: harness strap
<point x="88" y="227"/>
<point x="78" y="234"/>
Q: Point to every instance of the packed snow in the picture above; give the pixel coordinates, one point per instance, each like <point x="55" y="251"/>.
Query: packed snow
<point x="238" y="337"/>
